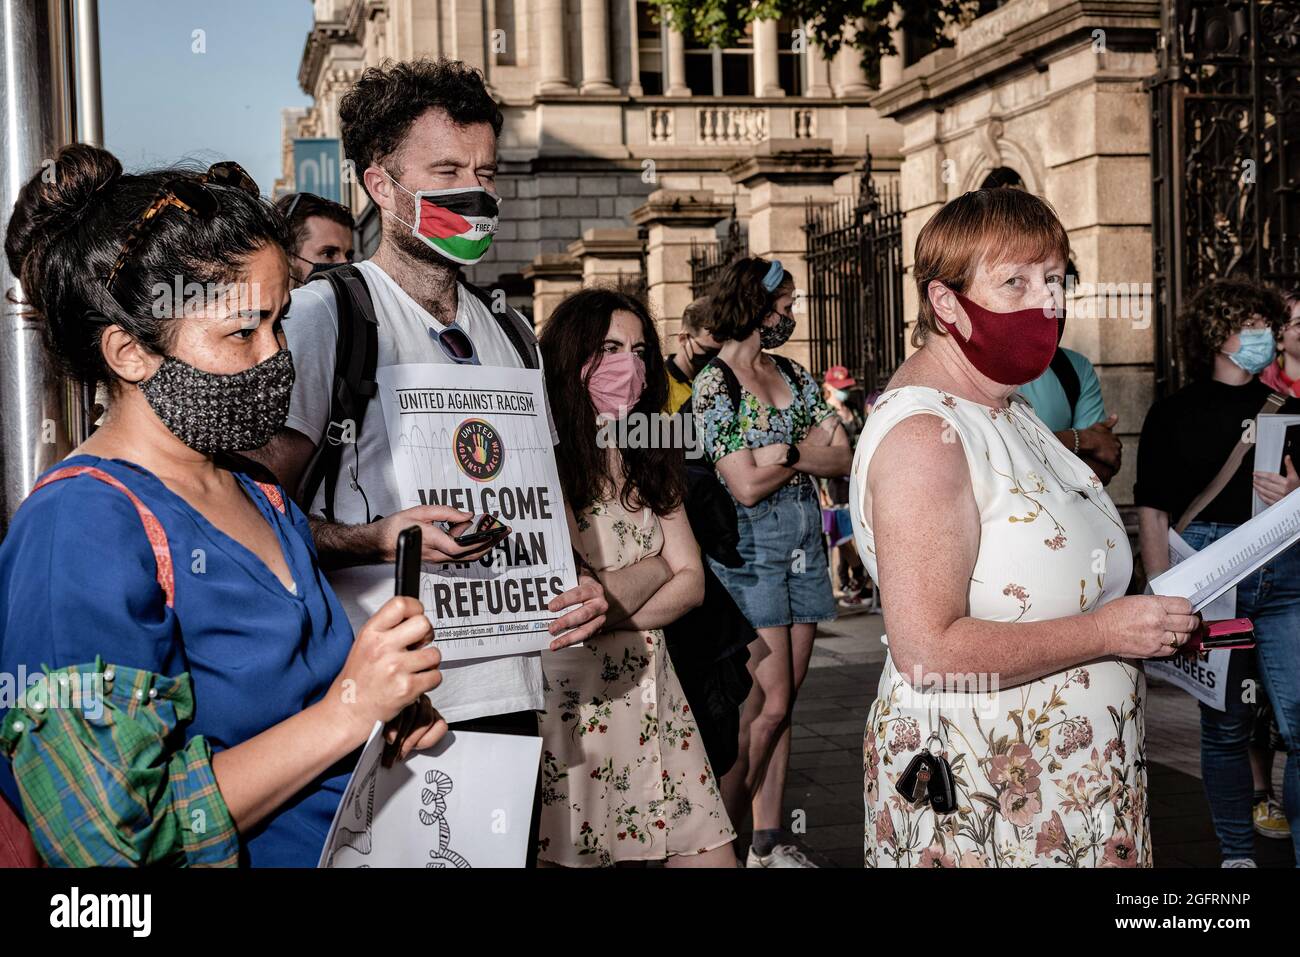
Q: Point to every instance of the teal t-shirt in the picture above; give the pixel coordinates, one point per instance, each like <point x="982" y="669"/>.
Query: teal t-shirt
<point x="1047" y="396"/>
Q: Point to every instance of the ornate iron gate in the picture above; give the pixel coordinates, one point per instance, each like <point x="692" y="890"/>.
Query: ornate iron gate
<point x="855" y="283"/>
<point x="708" y="260"/>
<point x="1225" y="159"/>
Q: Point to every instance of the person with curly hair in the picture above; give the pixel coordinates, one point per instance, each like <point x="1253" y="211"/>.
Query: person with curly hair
<point x="422" y="137"/>
<point x="1229" y="331"/>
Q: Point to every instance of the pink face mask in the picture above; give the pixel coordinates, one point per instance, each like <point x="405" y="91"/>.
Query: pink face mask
<point x="616" y="383"/>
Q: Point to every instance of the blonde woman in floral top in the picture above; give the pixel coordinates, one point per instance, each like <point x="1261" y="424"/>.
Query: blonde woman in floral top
<point x="625" y="777"/>
<point x="1002" y="565"/>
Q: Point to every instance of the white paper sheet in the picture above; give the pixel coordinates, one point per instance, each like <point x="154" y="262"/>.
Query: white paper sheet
<point x="477" y="438"/>
<point x="1205" y="679"/>
<point x="466" y="803"/>
<point x="1270" y="434"/>
<point x="1223" y="563"/>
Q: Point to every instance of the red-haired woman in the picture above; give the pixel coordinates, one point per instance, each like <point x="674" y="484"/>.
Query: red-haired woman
<point x="1002" y="565"/>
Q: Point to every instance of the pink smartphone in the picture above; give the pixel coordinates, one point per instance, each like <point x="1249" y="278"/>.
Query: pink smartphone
<point x="1232" y="633"/>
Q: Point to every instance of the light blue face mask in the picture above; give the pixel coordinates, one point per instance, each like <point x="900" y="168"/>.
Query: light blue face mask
<point x="1256" y="351"/>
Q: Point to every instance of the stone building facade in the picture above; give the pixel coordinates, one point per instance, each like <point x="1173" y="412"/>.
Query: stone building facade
<point x="1051" y="92"/>
<point x="624" y="144"/>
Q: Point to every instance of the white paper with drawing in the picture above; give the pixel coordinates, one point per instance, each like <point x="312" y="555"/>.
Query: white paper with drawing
<point x="1205" y="679"/>
<point x="466" y="803"/>
<point x="477" y="438"/>
<point x="1209" y="573"/>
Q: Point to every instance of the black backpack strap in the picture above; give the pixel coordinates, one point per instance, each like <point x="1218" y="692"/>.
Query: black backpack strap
<point x="515" y="326"/>
<point x="356" y="353"/>
<point x="1068" y="376"/>
<point x="729" y="380"/>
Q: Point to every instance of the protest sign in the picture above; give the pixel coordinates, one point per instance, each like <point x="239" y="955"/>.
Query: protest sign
<point x="478" y="438"/>
<point x="1205" y="679"/>
<point x="465" y="803"/>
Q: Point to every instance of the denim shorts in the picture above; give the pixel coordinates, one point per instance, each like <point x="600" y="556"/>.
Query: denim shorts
<point x="783" y="578"/>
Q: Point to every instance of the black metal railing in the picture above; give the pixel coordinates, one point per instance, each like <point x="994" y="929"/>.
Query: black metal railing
<point x="708" y="260"/>
<point x="855" y="284"/>
<point x="1225" y="121"/>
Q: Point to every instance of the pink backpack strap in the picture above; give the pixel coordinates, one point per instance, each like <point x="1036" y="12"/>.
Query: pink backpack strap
<point x="273" y="495"/>
<point x="152" y="527"/>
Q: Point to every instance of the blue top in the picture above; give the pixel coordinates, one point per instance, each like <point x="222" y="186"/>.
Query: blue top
<point x="77" y="579"/>
<point x="1047" y="396"/>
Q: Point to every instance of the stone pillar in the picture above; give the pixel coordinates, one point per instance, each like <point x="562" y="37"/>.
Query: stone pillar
<point x="673" y="219"/>
<point x="554" y="276"/>
<point x="608" y="257"/>
<point x="551" y="74"/>
<point x="891" y="67"/>
<point x="782" y="177"/>
<point x="817" y="66"/>
<point x="849" y="78"/>
<point x="468" y="32"/>
<point x="595" y="48"/>
<point x="675" y="84"/>
<point x="634" y="47"/>
<point x="767" y="76"/>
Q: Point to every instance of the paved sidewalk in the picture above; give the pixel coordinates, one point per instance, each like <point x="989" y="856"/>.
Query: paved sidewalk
<point x="825" y="780"/>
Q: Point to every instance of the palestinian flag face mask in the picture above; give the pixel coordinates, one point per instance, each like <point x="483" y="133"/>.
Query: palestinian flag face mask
<point x="458" y="223"/>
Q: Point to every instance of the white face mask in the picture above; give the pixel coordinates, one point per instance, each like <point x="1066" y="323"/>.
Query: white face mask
<point x="458" y="223"/>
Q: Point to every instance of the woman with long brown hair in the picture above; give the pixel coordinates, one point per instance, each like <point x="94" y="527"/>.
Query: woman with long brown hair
<point x="625" y="776"/>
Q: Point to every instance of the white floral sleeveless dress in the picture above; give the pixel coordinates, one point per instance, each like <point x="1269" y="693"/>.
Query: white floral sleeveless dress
<point x="624" y="773"/>
<point x="1050" y="773"/>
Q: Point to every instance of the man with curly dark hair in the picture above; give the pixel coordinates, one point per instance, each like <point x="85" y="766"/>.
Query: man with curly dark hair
<point x="422" y="139"/>
<point x="1229" y="333"/>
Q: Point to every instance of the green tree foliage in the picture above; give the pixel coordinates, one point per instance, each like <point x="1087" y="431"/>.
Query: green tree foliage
<point x="830" y="22"/>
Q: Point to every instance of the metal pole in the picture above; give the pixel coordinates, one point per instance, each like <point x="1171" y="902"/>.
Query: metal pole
<point x="31" y="419"/>
<point x="90" y="118"/>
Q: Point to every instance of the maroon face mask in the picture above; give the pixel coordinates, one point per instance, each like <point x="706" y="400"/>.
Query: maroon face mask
<point x="1011" y="348"/>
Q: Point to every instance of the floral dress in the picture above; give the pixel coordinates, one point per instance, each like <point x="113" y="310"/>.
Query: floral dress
<point x="624" y="773"/>
<point x="1048" y="773"/>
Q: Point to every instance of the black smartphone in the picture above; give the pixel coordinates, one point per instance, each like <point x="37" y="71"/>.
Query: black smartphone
<point x="409" y="543"/>
<point x="1291" y="447"/>
<point x="478" y="530"/>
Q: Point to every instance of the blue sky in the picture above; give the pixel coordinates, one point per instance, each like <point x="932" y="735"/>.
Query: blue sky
<point x="165" y="103"/>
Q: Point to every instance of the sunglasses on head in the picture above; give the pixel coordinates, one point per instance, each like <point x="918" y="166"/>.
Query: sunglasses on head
<point x="191" y="196"/>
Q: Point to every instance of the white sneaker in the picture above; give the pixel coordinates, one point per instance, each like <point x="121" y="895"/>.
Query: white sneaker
<point x="1235" y="862"/>
<point x="783" y="855"/>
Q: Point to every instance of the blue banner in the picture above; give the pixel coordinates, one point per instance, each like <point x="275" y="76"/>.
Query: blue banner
<point x="316" y="168"/>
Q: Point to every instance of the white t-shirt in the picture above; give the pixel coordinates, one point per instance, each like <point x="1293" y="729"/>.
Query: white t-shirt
<point x="470" y="689"/>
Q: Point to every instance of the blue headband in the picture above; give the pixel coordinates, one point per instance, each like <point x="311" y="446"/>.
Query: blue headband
<point x="773" y="278"/>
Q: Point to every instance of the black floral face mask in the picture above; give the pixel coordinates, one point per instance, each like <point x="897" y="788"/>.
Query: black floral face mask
<point x="211" y="412"/>
<point x="770" y="337"/>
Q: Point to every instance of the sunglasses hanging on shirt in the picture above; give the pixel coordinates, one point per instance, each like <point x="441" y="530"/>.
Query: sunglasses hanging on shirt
<point x="455" y="345"/>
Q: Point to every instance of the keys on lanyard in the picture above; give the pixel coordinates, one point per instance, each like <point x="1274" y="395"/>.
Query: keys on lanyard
<point x="928" y="777"/>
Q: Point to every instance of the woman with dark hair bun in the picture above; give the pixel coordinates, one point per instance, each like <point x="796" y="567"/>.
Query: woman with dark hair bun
<point x="770" y="434"/>
<point x="625" y="777"/>
<point x="205" y="697"/>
